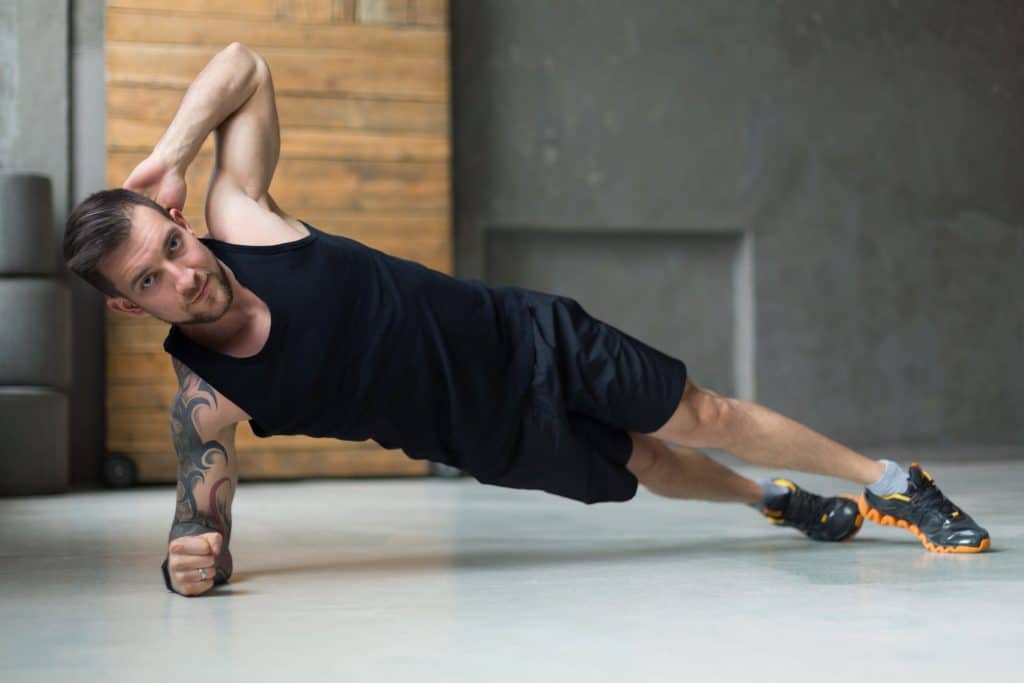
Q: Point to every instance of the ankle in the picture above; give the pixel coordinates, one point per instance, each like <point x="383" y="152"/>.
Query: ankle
<point x="893" y="480"/>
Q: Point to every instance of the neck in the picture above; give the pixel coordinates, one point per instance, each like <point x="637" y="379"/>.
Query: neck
<point x="236" y="322"/>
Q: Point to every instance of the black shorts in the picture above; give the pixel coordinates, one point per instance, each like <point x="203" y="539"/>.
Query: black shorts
<point x="592" y="383"/>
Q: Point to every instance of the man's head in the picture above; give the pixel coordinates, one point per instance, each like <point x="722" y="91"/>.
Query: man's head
<point x="145" y="259"/>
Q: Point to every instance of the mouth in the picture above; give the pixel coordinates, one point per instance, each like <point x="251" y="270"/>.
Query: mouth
<point x="201" y="291"/>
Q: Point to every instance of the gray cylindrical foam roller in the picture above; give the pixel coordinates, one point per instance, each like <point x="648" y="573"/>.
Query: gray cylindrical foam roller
<point x="28" y="245"/>
<point x="35" y="332"/>
<point x="33" y="441"/>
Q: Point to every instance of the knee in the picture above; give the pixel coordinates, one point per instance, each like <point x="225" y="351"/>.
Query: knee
<point x="700" y="420"/>
<point x="643" y="457"/>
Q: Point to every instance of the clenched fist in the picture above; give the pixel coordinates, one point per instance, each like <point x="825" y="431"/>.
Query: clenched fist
<point x="160" y="181"/>
<point x="193" y="562"/>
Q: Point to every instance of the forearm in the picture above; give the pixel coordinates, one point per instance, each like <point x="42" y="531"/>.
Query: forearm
<point x="189" y="520"/>
<point x="207" y="470"/>
<point x="224" y="85"/>
<point x="202" y="506"/>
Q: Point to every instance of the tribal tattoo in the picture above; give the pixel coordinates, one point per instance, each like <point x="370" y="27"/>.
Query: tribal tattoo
<point x="202" y="506"/>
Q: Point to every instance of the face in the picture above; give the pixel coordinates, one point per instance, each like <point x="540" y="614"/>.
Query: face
<point x="162" y="268"/>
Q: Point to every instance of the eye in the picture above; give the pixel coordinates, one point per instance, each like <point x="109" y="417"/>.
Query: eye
<point x="147" y="279"/>
<point x="175" y="240"/>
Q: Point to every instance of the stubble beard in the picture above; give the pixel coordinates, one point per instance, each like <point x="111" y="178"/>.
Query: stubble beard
<point x="202" y="317"/>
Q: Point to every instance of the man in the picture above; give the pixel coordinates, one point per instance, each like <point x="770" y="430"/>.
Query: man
<point x="302" y="332"/>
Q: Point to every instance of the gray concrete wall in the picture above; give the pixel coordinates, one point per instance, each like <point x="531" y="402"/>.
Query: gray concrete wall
<point x="52" y="122"/>
<point x="864" y="159"/>
<point x="34" y="92"/>
<point x="88" y="126"/>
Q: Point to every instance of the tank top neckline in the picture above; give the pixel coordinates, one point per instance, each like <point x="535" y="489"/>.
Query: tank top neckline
<point x="180" y="341"/>
<point x="265" y="248"/>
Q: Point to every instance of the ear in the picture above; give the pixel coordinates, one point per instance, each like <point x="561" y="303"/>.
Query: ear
<point x="122" y="305"/>
<point x="179" y="218"/>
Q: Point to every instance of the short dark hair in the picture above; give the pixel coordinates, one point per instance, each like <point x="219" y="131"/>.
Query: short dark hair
<point x="98" y="226"/>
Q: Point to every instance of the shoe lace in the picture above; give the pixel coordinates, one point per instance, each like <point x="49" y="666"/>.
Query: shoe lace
<point x="931" y="496"/>
<point x="804" y="509"/>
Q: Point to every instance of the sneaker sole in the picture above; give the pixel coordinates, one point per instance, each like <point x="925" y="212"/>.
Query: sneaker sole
<point x="879" y="517"/>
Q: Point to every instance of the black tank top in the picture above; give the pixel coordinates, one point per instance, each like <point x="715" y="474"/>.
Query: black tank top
<point x="365" y="345"/>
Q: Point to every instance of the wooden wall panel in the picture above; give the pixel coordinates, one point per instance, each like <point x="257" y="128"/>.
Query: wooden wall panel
<point x="157" y="105"/>
<point x="129" y="134"/>
<point x="288" y="10"/>
<point x="384" y="11"/>
<point x="371" y="42"/>
<point x="362" y="93"/>
<point x="333" y="73"/>
<point x="430" y="12"/>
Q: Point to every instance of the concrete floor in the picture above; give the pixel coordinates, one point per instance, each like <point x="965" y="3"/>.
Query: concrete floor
<point x="450" y="580"/>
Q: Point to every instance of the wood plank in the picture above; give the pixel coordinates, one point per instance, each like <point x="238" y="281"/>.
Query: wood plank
<point x="299" y="143"/>
<point x="345" y="185"/>
<point x="294" y="71"/>
<point x="158" y="105"/>
<point x="149" y="431"/>
<point x="296" y="10"/>
<point x="141" y="366"/>
<point x="162" y="467"/>
<point x="369" y="227"/>
<point x="430" y="12"/>
<point x="134" y="339"/>
<point x="135" y="429"/>
<point x="155" y="436"/>
<point x="155" y="395"/>
<point x="370" y="41"/>
<point x="344" y="11"/>
<point x="384" y="11"/>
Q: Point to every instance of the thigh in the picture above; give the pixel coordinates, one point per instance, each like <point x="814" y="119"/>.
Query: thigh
<point x="600" y="371"/>
<point x="570" y="455"/>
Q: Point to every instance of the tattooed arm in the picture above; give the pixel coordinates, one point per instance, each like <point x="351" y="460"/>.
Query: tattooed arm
<point x="203" y="426"/>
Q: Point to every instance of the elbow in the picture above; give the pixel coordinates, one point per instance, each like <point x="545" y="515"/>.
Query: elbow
<point x="244" y="52"/>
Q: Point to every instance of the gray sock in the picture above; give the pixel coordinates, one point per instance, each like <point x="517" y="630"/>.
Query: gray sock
<point x="893" y="481"/>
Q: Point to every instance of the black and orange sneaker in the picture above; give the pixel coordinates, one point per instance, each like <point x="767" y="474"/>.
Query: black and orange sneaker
<point x="922" y="509"/>
<point x="835" y="518"/>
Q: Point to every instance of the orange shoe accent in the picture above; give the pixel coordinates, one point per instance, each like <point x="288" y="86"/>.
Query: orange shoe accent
<point x="888" y="520"/>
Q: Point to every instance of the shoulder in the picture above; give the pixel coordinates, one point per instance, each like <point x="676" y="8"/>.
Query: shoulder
<point x="235" y="218"/>
<point x="198" y="402"/>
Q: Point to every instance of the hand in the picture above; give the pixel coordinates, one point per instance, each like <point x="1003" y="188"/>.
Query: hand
<point x="160" y="181"/>
<point x="186" y="555"/>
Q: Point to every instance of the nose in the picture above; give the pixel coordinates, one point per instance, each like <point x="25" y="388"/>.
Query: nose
<point x="187" y="281"/>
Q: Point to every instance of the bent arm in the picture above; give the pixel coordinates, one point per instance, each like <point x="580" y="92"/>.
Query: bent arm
<point x="207" y="469"/>
<point x="224" y="85"/>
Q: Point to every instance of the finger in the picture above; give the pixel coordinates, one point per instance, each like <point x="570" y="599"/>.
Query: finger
<point x="182" y="563"/>
<point x="196" y="588"/>
<point x="192" y="576"/>
<point x="215" y="540"/>
<point x="190" y="545"/>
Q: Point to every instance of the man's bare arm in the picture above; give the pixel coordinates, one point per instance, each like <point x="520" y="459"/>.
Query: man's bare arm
<point x="218" y="91"/>
<point x="207" y="477"/>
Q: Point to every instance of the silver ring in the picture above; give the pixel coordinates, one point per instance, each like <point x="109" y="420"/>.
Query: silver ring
<point x="202" y="574"/>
